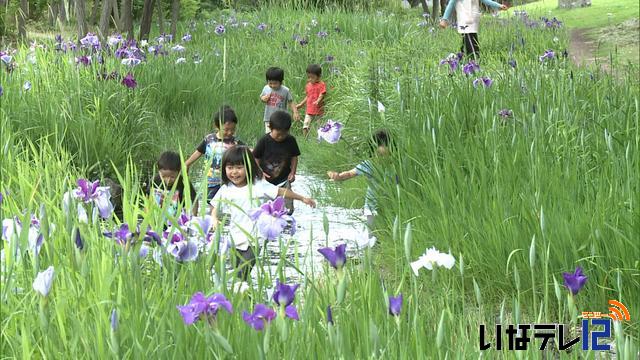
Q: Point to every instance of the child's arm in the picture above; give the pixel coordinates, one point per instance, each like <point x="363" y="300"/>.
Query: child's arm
<point x="319" y="100"/>
<point x="195" y="156"/>
<point x="214" y="216"/>
<point x="345" y="175"/>
<point x="265" y="95"/>
<point x="494" y="4"/>
<point x="288" y="194"/>
<point x="294" y="168"/>
<point x="302" y="102"/>
<point x="294" y="110"/>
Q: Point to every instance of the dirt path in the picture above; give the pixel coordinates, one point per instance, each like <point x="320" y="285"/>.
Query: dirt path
<point x="582" y="50"/>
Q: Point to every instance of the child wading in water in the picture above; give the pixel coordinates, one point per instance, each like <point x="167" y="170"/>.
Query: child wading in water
<point x="169" y="184"/>
<point x="468" y="18"/>
<point x="276" y="96"/>
<point x="242" y="190"/>
<point x="214" y="145"/>
<point x="315" y="91"/>
<point x="381" y="141"/>
<point x="277" y="153"/>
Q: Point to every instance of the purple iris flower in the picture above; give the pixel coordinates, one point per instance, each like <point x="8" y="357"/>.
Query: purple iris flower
<point x="78" y="239"/>
<point x="512" y="63"/>
<point x="303" y="41"/>
<point x="43" y="281"/>
<point x="322" y="34"/>
<point x="505" y="113"/>
<point x="1" y="90"/>
<point x="129" y="81"/>
<point x="91" y="40"/>
<point x="220" y="29"/>
<point x="178" y="48"/>
<point x="329" y="315"/>
<point x="183" y="219"/>
<point x="183" y="250"/>
<point x="330" y="132"/>
<point x="470" y="68"/>
<point x="201" y="306"/>
<point x="576" y="281"/>
<point x="13" y="228"/>
<point x="86" y="191"/>
<point x="482" y="80"/>
<point x="329" y="58"/>
<point x="548" y="55"/>
<point x="186" y="37"/>
<point x="337" y="258"/>
<point x="6" y="58"/>
<point x="27" y="86"/>
<point x="152" y="236"/>
<point x="200" y="226"/>
<point x="131" y="61"/>
<point x="284" y="296"/>
<point x="395" y="305"/>
<point x="271" y="218"/>
<point x="261" y="26"/>
<point x="59" y="39"/>
<point x="122" y="235"/>
<point x="92" y="192"/>
<point x="114" y="320"/>
<point x="262" y="314"/>
<point x="452" y="60"/>
<point x="114" y="40"/>
<point x="157" y="50"/>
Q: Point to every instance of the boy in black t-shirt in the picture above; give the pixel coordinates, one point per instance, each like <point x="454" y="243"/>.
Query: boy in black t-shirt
<point x="277" y="153"/>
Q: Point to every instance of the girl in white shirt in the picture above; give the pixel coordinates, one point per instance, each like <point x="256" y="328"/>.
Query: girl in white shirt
<point x="244" y="189"/>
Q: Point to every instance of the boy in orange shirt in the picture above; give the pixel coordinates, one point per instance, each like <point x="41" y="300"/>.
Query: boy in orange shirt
<point x="314" y="99"/>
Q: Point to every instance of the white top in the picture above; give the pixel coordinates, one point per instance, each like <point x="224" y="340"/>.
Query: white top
<point x="238" y="202"/>
<point x="468" y="16"/>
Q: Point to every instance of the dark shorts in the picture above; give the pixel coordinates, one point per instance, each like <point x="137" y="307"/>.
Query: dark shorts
<point x="245" y="260"/>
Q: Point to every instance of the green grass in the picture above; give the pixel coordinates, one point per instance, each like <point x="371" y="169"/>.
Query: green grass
<point x="517" y="201"/>
<point x="594" y="16"/>
<point x="607" y="25"/>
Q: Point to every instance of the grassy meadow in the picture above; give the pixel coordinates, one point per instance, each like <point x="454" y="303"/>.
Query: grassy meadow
<point x="520" y="181"/>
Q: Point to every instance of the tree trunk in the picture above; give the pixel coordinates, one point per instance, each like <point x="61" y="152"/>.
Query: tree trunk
<point x="117" y="20"/>
<point x="425" y="8"/>
<point x="103" y="29"/>
<point x="435" y="10"/>
<point x="570" y="4"/>
<point x="127" y="20"/>
<point x="94" y="12"/>
<point x="175" y="14"/>
<point x="23" y="13"/>
<point x="145" y="22"/>
<point x="80" y="16"/>
<point x="62" y="11"/>
<point x="52" y="9"/>
<point x="160" y="16"/>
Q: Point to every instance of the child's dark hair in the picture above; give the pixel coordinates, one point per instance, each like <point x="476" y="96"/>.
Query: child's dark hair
<point x="280" y="120"/>
<point x="275" y="74"/>
<point x="224" y="115"/>
<point x="314" y="69"/>
<point x="381" y="138"/>
<point x="241" y="155"/>
<point x="169" y="160"/>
